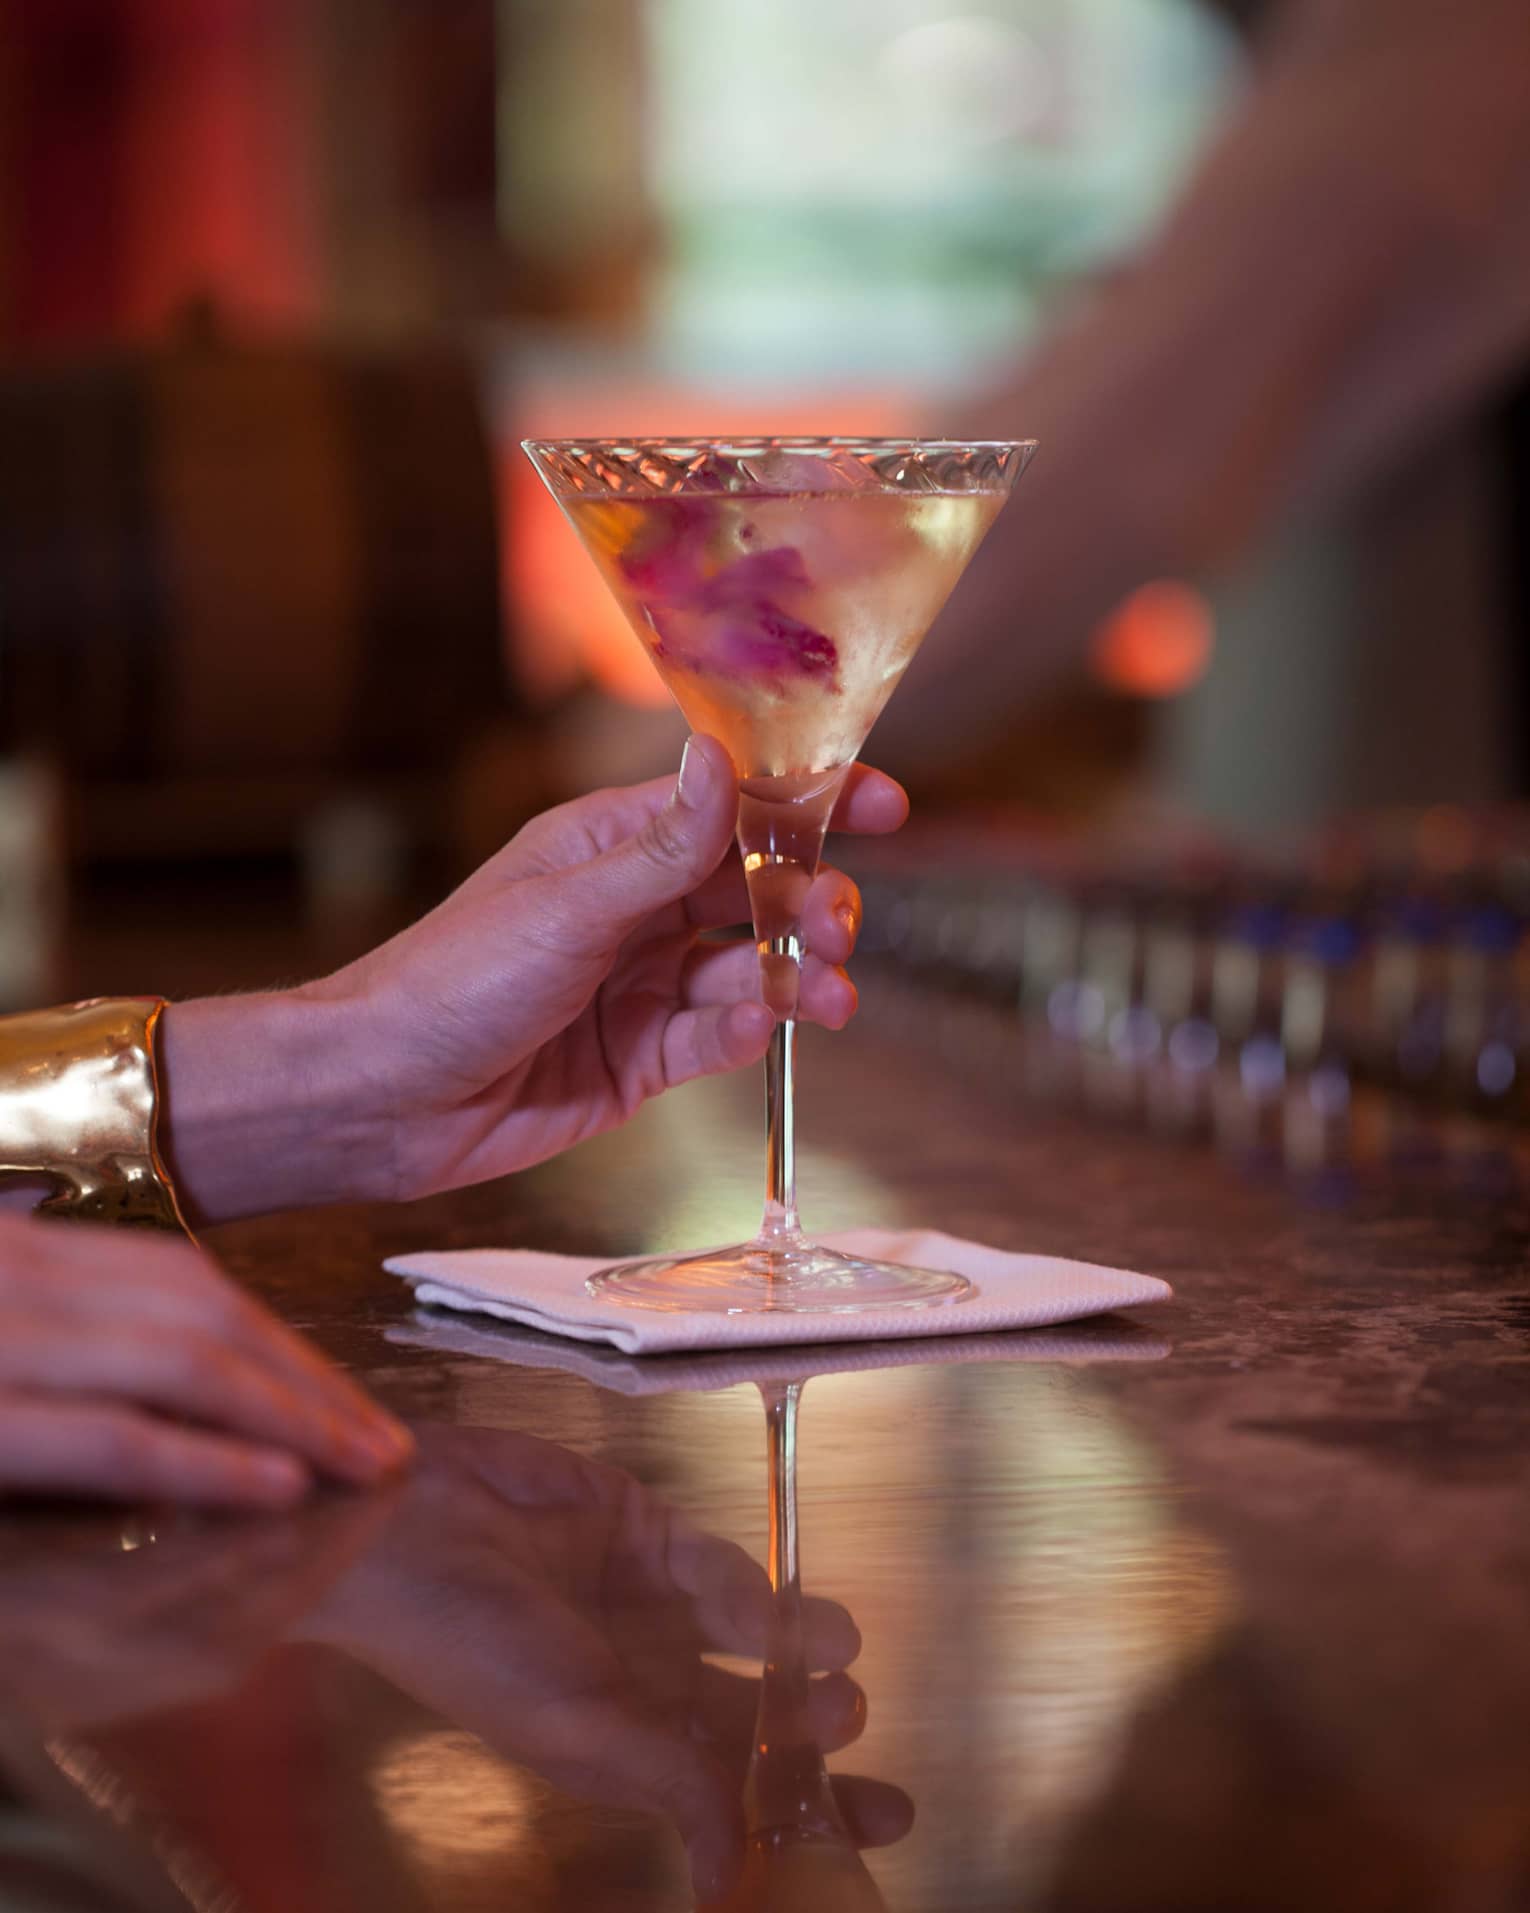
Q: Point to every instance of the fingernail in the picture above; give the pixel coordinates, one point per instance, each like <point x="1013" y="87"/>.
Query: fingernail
<point x="391" y="1436"/>
<point x="385" y="1444"/>
<point x="751" y="1021"/>
<point x="847" y="919"/>
<point x="280" y="1475"/>
<point x="396" y="1448"/>
<point x="695" y="785"/>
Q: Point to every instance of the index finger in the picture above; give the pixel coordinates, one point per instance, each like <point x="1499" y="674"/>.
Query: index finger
<point x="871" y="803"/>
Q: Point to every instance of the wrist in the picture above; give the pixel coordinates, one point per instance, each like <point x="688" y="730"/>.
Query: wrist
<point x="266" y="1102"/>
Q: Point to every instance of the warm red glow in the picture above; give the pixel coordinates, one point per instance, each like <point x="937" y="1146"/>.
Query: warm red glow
<point x="217" y="167"/>
<point x="567" y="625"/>
<point x="161" y="156"/>
<point x="1157" y="643"/>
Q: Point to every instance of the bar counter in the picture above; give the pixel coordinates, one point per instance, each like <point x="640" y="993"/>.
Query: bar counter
<point x="1222" y="1606"/>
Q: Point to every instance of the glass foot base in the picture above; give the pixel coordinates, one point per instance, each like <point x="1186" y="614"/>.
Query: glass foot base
<point x="752" y="1279"/>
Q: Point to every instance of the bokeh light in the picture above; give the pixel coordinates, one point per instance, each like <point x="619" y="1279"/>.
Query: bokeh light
<point x="1158" y="643"/>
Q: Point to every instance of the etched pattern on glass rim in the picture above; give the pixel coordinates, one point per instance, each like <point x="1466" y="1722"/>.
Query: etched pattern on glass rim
<point x="649" y="467"/>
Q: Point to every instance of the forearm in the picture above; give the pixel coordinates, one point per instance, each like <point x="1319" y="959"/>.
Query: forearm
<point x="266" y="1103"/>
<point x="1330" y="287"/>
<point x="1335" y="286"/>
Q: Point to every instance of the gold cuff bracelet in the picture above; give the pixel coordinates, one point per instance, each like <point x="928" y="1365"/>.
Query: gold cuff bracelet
<point x="79" y="1104"/>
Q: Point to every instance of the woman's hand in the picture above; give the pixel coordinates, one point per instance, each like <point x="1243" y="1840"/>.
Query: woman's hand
<point x="560" y="987"/>
<point x="131" y="1369"/>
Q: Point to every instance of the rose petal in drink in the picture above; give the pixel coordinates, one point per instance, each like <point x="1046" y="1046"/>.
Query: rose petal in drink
<point x="770" y="640"/>
<point x="728" y="620"/>
<point x="750" y="641"/>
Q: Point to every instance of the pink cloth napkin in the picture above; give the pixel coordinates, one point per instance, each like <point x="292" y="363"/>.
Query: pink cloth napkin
<point x="547" y="1292"/>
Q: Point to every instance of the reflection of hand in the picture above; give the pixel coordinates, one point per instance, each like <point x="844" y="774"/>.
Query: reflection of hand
<point x="557" y="1609"/>
<point x="562" y="986"/>
<point x="113" y="1343"/>
<point x="100" y="1627"/>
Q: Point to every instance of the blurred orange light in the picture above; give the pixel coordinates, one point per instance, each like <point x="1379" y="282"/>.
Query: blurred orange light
<point x="1157" y="643"/>
<point x="569" y="629"/>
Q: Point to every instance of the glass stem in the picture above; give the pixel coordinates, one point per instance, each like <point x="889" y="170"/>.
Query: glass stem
<point x="781" y="825"/>
<point x="781" y="1400"/>
<point x="780" y="1224"/>
<point x="787" y="1793"/>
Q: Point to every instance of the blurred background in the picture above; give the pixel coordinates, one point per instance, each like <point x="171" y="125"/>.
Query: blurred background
<point x="290" y="635"/>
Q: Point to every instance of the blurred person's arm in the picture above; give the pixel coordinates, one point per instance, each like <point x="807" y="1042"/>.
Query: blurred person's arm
<point x="1349" y="268"/>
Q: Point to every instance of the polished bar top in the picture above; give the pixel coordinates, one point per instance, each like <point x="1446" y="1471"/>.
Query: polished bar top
<point x="1226" y="1606"/>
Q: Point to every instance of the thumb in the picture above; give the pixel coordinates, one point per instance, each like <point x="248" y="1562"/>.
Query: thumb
<point x="680" y="845"/>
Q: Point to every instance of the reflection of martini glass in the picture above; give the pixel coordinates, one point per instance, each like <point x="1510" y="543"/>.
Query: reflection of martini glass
<point x="781" y="586"/>
<point x="799" y="1857"/>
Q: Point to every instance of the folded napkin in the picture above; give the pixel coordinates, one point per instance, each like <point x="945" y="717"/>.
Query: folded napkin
<point x="547" y="1292"/>
<point x="622" y="1374"/>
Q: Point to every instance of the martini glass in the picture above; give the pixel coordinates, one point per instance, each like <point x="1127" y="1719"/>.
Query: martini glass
<point x="781" y="587"/>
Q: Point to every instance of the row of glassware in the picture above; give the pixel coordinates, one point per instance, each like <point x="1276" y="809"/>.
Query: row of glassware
<point x="1278" y="979"/>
